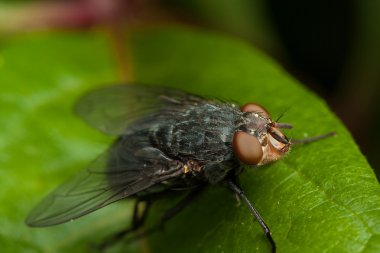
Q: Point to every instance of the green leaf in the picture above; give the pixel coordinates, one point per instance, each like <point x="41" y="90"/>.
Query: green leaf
<point x="322" y="197"/>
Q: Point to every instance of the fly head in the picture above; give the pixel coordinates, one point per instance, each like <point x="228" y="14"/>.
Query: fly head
<point x="258" y="140"/>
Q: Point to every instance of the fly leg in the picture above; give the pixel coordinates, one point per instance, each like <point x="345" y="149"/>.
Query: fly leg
<point x="305" y="140"/>
<point x="312" y="139"/>
<point x="172" y="212"/>
<point x="138" y="220"/>
<point x="236" y="189"/>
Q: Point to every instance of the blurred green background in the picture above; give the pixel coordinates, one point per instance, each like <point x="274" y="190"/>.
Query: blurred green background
<point x="330" y="47"/>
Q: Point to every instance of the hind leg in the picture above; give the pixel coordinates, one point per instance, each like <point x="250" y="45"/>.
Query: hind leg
<point x="138" y="219"/>
<point x="172" y="212"/>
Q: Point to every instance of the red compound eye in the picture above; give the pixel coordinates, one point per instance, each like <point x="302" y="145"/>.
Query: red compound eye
<point x="247" y="148"/>
<point x="252" y="107"/>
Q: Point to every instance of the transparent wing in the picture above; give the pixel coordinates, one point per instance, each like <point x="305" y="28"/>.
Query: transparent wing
<point x="128" y="167"/>
<point x="112" y="108"/>
<point x="118" y="173"/>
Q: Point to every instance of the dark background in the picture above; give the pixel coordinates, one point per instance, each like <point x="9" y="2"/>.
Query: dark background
<point x="330" y="46"/>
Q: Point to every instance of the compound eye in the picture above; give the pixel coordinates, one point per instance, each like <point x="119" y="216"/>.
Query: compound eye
<point x="252" y="107"/>
<point x="247" y="148"/>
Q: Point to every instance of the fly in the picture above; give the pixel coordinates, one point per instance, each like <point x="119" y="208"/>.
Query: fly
<point x="166" y="140"/>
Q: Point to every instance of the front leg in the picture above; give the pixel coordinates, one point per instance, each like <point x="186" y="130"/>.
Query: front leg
<point x="236" y="189"/>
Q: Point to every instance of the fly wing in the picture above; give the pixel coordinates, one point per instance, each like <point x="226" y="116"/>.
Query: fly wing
<point x="112" y="108"/>
<point x="130" y="166"/>
<point x="118" y="173"/>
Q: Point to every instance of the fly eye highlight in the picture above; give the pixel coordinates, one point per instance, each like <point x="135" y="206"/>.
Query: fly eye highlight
<point x="247" y="148"/>
<point x="252" y="107"/>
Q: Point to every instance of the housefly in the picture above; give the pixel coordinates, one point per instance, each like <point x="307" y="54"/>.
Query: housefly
<point x="166" y="140"/>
